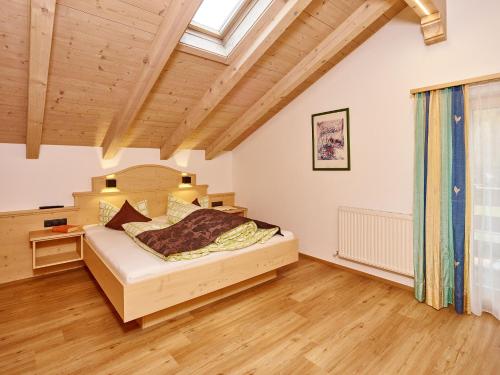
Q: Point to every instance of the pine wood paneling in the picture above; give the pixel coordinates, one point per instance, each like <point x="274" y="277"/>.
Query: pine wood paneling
<point x="80" y="106"/>
<point x="182" y="83"/>
<point x="173" y="25"/>
<point x="231" y="75"/>
<point x="100" y="46"/>
<point x="14" y="55"/>
<point x="119" y="12"/>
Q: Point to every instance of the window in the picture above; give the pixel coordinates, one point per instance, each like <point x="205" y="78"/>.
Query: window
<point x="215" y="16"/>
<point x="485" y="174"/>
<point x="220" y="25"/>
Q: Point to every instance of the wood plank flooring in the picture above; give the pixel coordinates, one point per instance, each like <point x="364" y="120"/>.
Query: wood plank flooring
<point x="313" y="320"/>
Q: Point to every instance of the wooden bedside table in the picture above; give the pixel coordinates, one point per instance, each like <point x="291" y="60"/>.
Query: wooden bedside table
<point x="51" y="248"/>
<point x="240" y="211"/>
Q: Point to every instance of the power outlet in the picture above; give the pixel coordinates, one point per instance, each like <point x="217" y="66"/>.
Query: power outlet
<point x="54" y="222"/>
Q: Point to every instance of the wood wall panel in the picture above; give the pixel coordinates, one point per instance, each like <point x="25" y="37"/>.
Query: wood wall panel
<point x="15" y="248"/>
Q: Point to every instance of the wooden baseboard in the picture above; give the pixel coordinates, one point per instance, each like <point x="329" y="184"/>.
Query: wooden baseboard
<point x="357" y="272"/>
<point x="174" y="311"/>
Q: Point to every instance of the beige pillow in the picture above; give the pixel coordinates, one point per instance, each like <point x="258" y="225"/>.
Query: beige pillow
<point x="178" y="209"/>
<point x="107" y="210"/>
<point x="204" y="201"/>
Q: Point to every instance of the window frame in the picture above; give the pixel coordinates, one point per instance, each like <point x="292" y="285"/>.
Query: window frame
<point x="199" y="42"/>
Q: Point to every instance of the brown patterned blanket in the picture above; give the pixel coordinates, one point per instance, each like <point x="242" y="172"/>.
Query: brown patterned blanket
<point x="195" y="231"/>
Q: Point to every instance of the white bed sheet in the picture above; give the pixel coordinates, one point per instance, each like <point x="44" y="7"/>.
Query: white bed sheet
<point x="133" y="264"/>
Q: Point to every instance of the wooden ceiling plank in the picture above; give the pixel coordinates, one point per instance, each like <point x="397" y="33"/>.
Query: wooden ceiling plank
<point x="232" y="75"/>
<point x="41" y="27"/>
<point x="174" y="24"/>
<point x="117" y="11"/>
<point x="156" y="6"/>
<point x="353" y="26"/>
<point x="432" y="15"/>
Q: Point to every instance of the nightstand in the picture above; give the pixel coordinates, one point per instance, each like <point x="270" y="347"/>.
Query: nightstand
<point x="240" y="211"/>
<point x="51" y="248"/>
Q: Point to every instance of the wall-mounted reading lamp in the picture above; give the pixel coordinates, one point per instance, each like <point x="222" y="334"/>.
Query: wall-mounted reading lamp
<point x="111" y="185"/>
<point x="185" y="181"/>
<point x="110" y="182"/>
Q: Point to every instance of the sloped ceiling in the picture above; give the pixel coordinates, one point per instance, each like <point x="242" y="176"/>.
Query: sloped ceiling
<point x="99" y="48"/>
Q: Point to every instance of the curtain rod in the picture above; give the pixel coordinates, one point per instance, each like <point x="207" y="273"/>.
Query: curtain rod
<point x="468" y="81"/>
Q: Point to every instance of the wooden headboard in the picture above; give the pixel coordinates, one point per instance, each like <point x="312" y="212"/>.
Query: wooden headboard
<point x="143" y="177"/>
<point x="150" y="182"/>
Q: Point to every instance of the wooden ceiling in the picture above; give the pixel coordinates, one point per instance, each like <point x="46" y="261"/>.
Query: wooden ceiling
<point x="105" y="53"/>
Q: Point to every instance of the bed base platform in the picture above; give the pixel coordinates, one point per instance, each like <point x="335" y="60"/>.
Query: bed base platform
<point x="164" y="297"/>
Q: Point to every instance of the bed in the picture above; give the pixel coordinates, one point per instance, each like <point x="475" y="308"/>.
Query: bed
<point x="148" y="289"/>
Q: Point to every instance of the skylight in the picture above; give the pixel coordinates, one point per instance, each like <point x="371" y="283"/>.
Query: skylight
<point x="215" y="15"/>
<point x="219" y="26"/>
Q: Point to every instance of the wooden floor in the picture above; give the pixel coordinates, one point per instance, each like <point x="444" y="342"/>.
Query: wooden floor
<point x="312" y="320"/>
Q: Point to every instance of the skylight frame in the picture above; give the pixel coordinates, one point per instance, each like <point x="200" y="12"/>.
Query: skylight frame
<point x="232" y="19"/>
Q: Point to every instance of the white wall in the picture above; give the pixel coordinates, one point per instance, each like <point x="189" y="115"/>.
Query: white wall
<point x="272" y="169"/>
<point x="62" y="170"/>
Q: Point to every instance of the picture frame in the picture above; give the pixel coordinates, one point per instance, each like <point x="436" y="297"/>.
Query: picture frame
<point x="331" y="149"/>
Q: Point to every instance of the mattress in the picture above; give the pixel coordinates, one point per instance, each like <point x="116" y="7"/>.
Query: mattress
<point x="133" y="264"/>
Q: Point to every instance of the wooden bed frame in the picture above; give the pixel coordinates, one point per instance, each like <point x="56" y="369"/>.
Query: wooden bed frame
<point x="163" y="297"/>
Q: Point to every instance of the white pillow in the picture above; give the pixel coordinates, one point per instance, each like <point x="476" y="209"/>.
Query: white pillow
<point x="142" y="207"/>
<point x="178" y="209"/>
<point x="107" y="210"/>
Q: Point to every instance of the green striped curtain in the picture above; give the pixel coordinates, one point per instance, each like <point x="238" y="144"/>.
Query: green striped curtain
<point x="439" y="197"/>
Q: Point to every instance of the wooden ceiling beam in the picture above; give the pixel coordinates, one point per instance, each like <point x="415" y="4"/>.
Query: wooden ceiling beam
<point x="41" y="28"/>
<point x="432" y="15"/>
<point x="353" y="26"/>
<point x="228" y="79"/>
<point x="175" y="22"/>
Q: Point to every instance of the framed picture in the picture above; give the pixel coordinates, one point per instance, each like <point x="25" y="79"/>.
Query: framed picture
<point x="330" y="140"/>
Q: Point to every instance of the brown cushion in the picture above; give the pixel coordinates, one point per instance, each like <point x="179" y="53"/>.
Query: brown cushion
<point x="196" y="202"/>
<point x="127" y="214"/>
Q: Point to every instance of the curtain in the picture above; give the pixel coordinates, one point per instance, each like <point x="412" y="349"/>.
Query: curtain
<point x="440" y="199"/>
<point x="485" y="170"/>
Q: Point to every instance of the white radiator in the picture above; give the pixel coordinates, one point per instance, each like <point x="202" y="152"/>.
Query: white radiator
<point x="376" y="238"/>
